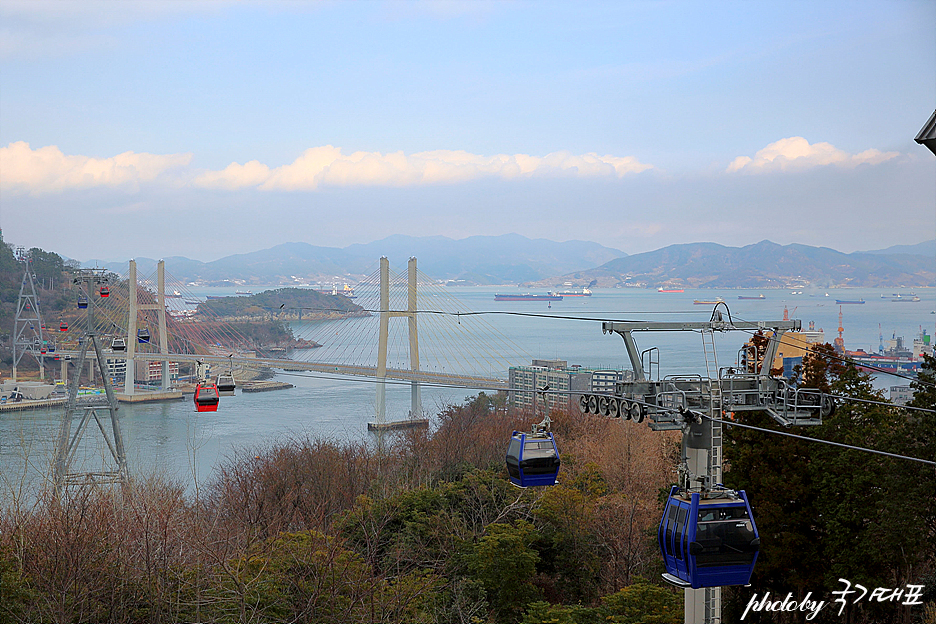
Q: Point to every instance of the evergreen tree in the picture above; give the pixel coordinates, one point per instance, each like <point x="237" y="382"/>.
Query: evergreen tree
<point x="826" y="513"/>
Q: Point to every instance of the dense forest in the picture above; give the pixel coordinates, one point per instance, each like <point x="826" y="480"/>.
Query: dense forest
<point x="426" y="527"/>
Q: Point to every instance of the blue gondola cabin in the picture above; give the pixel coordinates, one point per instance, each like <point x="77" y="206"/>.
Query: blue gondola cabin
<point x="709" y="541"/>
<point x="532" y="459"/>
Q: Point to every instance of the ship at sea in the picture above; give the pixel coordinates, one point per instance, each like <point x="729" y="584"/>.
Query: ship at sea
<point x="575" y="293"/>
<point x="895" y="355"/>
<point x="243" y="292"/>
<point x="672" y="290"/>
<point x="347" y="291"/>
<point x="758" y="297"/>
<point x="849" y="301"/>
<point x="714" y="301"/>
<point x="901" y="297"/>
<point x="550" y="296"/>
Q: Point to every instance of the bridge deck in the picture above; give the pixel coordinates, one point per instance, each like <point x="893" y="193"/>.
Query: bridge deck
<point x="453" y="379"/>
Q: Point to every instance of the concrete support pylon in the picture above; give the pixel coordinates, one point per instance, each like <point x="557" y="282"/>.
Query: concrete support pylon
<point x="135" y="308"/>
<point x="161" y="316"/>
<point x="411" y="307"/>
<point x="383" y="339"/>
<point x="131" y="331"/>
<point x="383" y="335"/>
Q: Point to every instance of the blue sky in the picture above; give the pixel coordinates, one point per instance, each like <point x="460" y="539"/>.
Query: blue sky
<point x="209" y="128"/>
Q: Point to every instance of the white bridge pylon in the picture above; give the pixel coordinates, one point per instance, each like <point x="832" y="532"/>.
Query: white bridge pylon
<point x="134" y="309"/>
<point x="385" y="315"/>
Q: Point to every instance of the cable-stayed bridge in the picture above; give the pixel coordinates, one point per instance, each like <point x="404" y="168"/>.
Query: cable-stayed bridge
<point x="400" y="326"/>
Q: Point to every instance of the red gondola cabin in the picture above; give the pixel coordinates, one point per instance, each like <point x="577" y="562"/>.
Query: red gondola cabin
<point x="206" y="398"/>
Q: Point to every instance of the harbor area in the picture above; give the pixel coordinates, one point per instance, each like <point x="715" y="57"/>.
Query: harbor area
<point x="264" y="386"/>
<point x="150" y="396"/>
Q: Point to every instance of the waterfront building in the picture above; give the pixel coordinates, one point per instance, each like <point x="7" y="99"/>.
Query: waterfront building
<point x="901" y="395"/>
<point x="795" y="345"/>
<point x="117" y="369"/>
<point x="151" y="372"/>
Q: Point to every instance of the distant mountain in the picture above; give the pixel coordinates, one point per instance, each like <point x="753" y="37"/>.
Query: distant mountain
<point x="763" y="265"/>
<point x="510" y="258"/>
<point x="926" y="248"/>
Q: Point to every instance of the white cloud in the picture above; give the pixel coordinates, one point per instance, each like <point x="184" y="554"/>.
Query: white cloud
<point x="235" y="176"/>
<point x="47" y="169"/>
<point x="796" y="153"/>
<point x="328" y="166"/>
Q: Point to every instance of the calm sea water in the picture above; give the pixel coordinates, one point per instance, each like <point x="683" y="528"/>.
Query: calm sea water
<point x="173" y="439"/>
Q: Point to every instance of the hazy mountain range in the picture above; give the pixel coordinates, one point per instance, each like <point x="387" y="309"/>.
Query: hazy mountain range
<point x="512" y="258"/>
<point x="766" y="265"/>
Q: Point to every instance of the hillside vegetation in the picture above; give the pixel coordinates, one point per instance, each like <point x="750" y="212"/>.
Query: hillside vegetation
<point x="282" y="303"/>
<point x="53" y="289"/>
<point x="428" y="529"/>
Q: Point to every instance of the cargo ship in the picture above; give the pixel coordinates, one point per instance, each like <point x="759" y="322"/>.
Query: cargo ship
<point x="550" y="296"/>
<point x="674" y="290"/>
<point x="875" y="363"/>
<point x="575" y="293"/>
<point x="757" y="298"/>
<point x="715" y="301"/>
<point x="897" y="356"/>
<point x="849" y="301"/>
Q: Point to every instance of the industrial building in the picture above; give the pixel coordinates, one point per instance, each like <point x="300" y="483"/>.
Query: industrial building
<point x="566" y="383"/>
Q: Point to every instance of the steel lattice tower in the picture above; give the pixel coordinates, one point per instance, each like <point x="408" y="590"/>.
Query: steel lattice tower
<point x="27" y="325"/>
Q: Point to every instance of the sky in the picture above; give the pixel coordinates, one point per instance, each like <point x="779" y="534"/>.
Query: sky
<point x="204" y="129"/>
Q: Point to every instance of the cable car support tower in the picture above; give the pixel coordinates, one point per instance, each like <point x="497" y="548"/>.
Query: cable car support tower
<point x="68" y="442"/>
<point x="27" y="324"/>
<point x="695" y="404"/>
